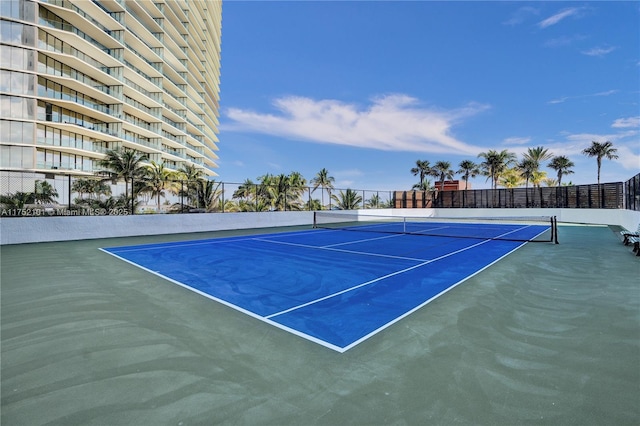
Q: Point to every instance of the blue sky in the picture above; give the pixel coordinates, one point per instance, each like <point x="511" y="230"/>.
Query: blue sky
<point x="364" y="89"/>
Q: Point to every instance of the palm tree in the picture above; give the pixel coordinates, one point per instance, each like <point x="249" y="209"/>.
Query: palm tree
<point x="192" y="175"/>
<point x="527" y="167"/>
<point x="209" y="195"/>
<point x="246" y="191"/>
<point x="511" y="178"/>
<point x="17" y="200"/>
<point x="313" y="204"/>
<point x="424" y="186"/>
<point x="495" y="163"/>
<point x="283" y="192"/>
<point x="537" y="155"/>
<point x="324" y="181"/>
<point x="91" y="187"/>
<point x="468" y="169"/>
<point x="110" y="204"/>
<point x="297" y="187"/>
<point x="600" y="151"/>
<point x="562" y="165"/>
<point x="442" y="169"/>
<point x="125" y="164"/>
<point x="348" y="200"/>
<point x="44" y="192"/>
<point x="373" y="202"/>
<point x="537" y="178"/>
<point x="422" y="169"/>
<point x="157" y="178"/>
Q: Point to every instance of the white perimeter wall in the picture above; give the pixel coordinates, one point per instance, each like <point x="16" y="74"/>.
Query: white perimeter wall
<point x="17" y="230"/>
<point x="64" y="228"/>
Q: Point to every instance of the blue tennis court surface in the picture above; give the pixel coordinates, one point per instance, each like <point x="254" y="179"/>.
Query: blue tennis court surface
<point x="334" y="287"/>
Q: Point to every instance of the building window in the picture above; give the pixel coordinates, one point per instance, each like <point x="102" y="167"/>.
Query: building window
<point x="16" y="156"/>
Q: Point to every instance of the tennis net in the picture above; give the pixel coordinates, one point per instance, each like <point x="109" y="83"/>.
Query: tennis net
<point x="523" y="228"/>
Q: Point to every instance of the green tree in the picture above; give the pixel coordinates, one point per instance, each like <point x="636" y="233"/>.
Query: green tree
<point x="600" y="151"/>
<point x="511" y="178"/>
<point x="209" y="196"/>
<point x="16" y="200"/>
<point x="191" y="175"/>
<point x="495" y="163"/>
<point x="562" y="165"/>
<point x="125" y="164"/>
<point x="537" y="155"/>
<point x="468" y="169"/>
<point x="157" y="179"/>
<point x="297" y="187"/>
<point x="93" y="188"/>
<point x="44" y="192"/>
<point x="323" y="181"/>
<point x="538" y="177"/>
<point x="422" y="169"/>
<point x="283" y="192"/>
<point x="313" y="204"/>
<point x="247" y="197"/>
<point x="373" y="202"/>
<point x="443" y="171"/>
<point x="527" y="167"/>
<point x="347" y="200"/>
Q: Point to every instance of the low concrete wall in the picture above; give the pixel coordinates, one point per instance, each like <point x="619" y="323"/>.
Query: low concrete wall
<point x="65" y="228"/>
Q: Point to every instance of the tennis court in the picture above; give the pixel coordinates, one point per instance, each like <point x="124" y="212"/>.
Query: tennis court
<point x="547" y="335"/>
<point x="344" y="281"/>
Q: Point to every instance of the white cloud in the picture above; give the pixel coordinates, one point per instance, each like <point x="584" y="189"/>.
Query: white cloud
<point x="517" y="140"/>
<point x="564" y="40"/>
<point x="627" y="122"/>
<point x="605" y="93"/>
<point x="552" y="20"/>
<point x="624" y="142"/>
<point x="558" y="101"/>
<point x="628" y="158"/>
<point x="520" y="15"/>
<point x="394" y="122"/>
<point x="599" y="51"/>
<point x="566" y="98"/>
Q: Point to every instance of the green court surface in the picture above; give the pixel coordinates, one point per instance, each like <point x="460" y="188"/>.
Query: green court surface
<point x="548" y="335"/>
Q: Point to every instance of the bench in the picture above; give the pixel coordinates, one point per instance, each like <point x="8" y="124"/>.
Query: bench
<point x="627" y="236"/>
<point x="632" y="238"/>
<point x="636" y="244"/>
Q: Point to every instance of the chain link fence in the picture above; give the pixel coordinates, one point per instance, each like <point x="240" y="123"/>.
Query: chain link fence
<point x="44" y="194"/>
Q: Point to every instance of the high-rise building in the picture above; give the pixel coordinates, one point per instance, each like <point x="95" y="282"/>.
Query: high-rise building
<point x="80" y="77"/>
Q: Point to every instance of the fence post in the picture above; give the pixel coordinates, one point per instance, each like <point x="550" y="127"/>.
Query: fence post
<point x="181" y="196"/>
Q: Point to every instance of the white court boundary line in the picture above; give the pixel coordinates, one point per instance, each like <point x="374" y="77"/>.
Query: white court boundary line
<point x="330" y="248"/>
<point x="267" y="319"/>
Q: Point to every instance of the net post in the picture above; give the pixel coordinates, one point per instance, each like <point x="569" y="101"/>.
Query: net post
<point x="555" y="229"/>
<point x="315" y="220"/>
